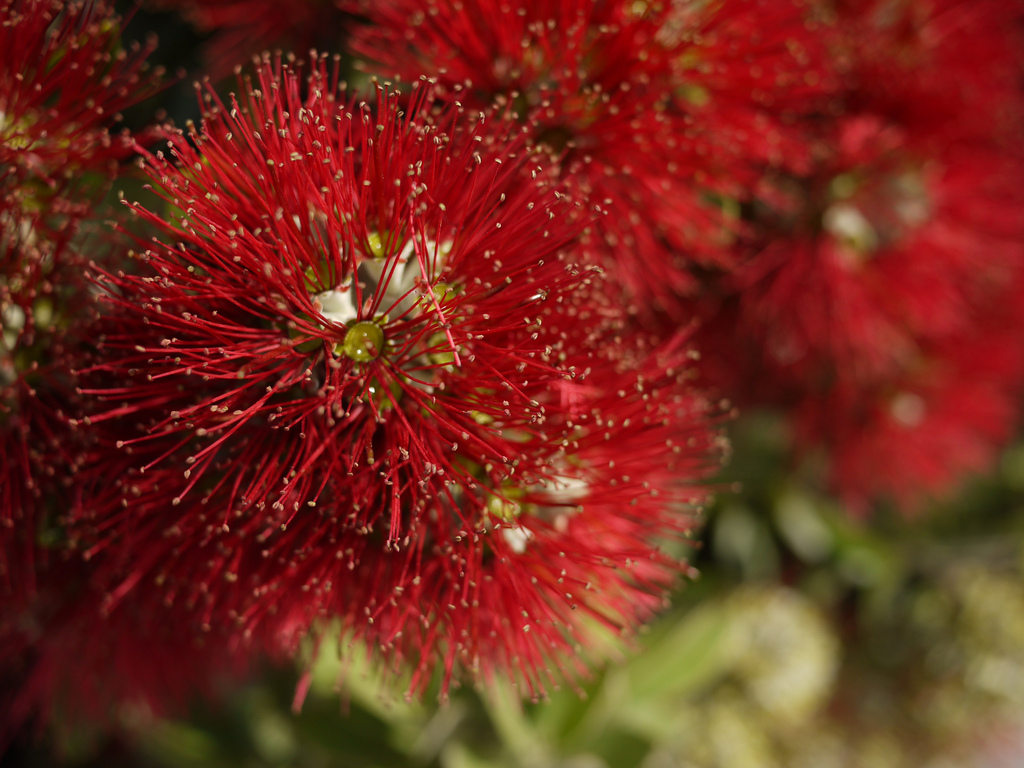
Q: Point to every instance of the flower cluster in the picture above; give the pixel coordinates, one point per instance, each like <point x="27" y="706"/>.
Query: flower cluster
<point x="877" y="296"/>
<point x="369" y="372"/>
<point x="415" y="362"/>
<point x="63" y="78"/>
<point x="660" y="112"/>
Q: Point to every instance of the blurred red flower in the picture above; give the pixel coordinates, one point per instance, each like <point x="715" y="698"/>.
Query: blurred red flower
<point x="884" y="267"/>
<point x="63" y="79"/>
<point x="658" y="111"/>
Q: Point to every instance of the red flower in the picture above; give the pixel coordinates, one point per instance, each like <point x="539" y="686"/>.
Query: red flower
<point x="330" y="277"/>
<point x="63" y="81"/>
<point x="544" y="574"/>
<point x="657" y="111"/>
<point x="919" y="434"/>
<point x="365" y="344"/>
<point x="873" y="270"/>
<point x="886" y="249"/>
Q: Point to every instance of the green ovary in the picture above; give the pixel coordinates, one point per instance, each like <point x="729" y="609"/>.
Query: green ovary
<point x="363" y="342"/>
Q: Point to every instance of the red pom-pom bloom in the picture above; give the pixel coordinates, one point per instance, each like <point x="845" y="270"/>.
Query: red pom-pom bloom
<point x="63" y="79"/>
<point x="659" y="111"/>
<point x="876" y="275"/>
<point x="364" y="370"/>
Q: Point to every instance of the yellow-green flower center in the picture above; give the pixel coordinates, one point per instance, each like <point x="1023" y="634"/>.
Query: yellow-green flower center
<point x="364" y="341"/>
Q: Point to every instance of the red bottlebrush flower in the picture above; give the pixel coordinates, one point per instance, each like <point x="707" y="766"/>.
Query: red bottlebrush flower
<point x="43" y="298"/>
<point x="871" y="270"/>
<point x="656" y="109"/>
<point x="305" y="292"/>
<point x="918" y="435"/>
<point x="366" y="343"/>
<point x="885" y="250"/>
<point x="63" y="80"/>
<point x="946" y="69"/>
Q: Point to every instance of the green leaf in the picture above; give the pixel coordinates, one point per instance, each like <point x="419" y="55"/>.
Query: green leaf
<point x="685" y="659"/>
<point x="457" y="755"/>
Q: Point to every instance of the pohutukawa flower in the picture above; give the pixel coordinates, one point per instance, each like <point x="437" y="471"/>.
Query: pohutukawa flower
<point x="657" y="111"/>
<point x="301" y="292"/>
<point x="918" y="435"/>
<point x="895" y="249"/>
<point x="64" y="78"/>
<point x="885" y="249"/>
<point x="368" y="343"/>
